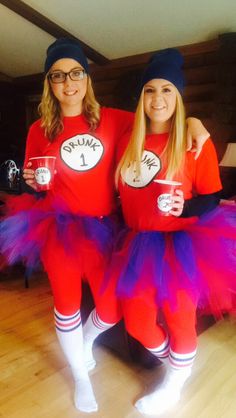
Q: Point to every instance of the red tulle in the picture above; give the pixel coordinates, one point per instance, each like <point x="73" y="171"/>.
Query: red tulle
<point x="34" y="228"/>
<point x="200" y="260"/>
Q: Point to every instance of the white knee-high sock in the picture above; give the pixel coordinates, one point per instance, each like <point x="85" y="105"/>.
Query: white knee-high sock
<point x="93" y="327"/>
<point x="162" y="351"/>
<point x="70" y="336"/>
<point x="166" y="395"/>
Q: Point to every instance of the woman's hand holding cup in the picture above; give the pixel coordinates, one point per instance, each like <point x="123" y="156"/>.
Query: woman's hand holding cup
<point x="177" y="203"/>
<point x="170" y="199"/>
<point x="29" y="177"/>
<point x="39" y="172"/>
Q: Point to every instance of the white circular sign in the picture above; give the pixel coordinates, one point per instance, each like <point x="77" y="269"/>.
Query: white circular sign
<point x="42" y="175"/>
<point x="82" y="152"/>
<point x="164" y="202"/>
<point x="150" y="166"/>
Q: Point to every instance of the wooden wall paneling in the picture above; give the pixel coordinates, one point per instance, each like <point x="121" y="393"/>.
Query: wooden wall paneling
<point x="110" y="72"/>
<point x="225" y="103"/>
<point x="226" y="80"/>
<point x="220" y="133"/>
<point x="107" y="100"/>
<point x="31" y="107"/>
<point x="200" y="75"/>
<point x="200" y="48"/>
<point x="201" y="109"/>
<point x="7" y="120"/>
<point x="204" y="92"/>
<point x="200" y="59"/>
<point x="102" y="88"/>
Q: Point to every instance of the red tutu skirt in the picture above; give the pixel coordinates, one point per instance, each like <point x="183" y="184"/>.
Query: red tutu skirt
<point x="29" y="221"/>
<point x="200" y="260"/>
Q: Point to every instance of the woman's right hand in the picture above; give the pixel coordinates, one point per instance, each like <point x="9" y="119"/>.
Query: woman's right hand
<point x="28" y="175"/>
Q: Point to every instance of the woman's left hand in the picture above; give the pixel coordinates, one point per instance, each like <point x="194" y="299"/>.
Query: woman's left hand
<point x="177" y="203"/>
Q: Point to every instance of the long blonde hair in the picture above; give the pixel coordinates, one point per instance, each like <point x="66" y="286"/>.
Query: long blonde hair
<point x="50" y="110"/>
<point x="175" y="148"/>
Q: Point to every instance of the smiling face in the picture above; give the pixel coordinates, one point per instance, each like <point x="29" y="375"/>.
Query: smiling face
<point x="159" y="104"/>
<point x="69" y="93"/>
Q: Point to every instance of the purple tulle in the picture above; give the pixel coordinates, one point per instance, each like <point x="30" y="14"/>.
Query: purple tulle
<point x="145" y="247"/>
<point x="14" y="250"/>
<point x="25" y="233"/>
<point x="200" y="260"/>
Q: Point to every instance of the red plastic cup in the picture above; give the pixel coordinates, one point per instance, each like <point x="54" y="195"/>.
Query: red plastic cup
<point x="44" y="169"/>
<point x="165" y="190"/>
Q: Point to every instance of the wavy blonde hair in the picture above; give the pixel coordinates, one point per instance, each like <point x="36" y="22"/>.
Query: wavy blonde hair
<point x="175" y="149"/>
<point x="50" y="110"/>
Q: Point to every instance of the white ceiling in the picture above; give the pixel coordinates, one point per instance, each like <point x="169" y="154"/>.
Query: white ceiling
<point x="114" y="28"/>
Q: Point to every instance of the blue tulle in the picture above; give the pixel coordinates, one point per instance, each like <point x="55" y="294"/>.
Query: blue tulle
<point x="151" y="243"/>
<point x="25" y="233"/>
<point x="200" y="260"/>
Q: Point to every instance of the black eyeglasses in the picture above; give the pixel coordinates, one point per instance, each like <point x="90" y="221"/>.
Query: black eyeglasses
<point x="60" y="76"/>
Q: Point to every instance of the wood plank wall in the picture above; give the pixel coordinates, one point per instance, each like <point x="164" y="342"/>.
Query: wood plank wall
<point x="115" y="83"/>
<point x="205" y="96"/>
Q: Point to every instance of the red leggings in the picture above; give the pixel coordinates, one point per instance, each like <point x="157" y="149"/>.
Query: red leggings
<point x="66" y="273"/>
<point x="141" y="317"/>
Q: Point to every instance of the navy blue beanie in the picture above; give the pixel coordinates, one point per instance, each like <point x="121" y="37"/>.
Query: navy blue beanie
<point x="166" y="64"/>
<point x="65" y="48"/>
